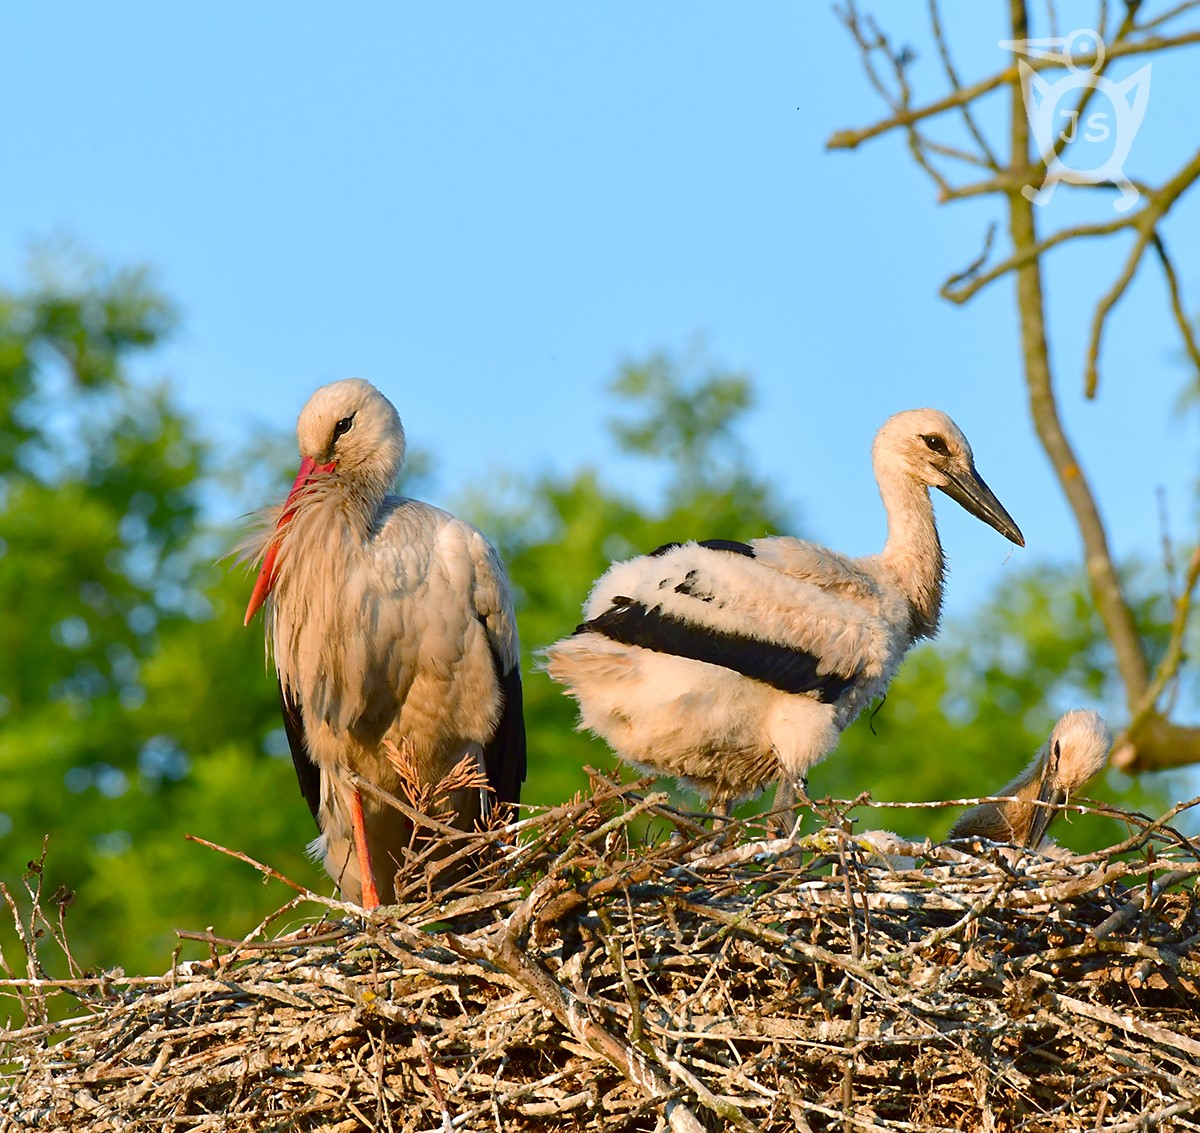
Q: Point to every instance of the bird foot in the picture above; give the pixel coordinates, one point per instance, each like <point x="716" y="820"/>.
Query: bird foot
<point x="719" y="808"/>
<point x="716" y="843"/>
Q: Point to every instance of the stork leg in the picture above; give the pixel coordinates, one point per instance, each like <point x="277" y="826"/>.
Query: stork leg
<point x="370" y="895"/>
<point x="787" y="794"/>
<point x="719" y="806"/>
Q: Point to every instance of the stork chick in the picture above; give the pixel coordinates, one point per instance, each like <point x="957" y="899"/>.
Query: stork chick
<point x="730" y="665"/>
<point x="1077" y="749"/>
<point x="390" y="621"/>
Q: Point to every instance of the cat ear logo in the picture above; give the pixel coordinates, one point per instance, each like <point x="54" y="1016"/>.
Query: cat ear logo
<point x="1085" y="139"/>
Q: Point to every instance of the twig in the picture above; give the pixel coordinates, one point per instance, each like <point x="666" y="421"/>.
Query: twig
<point x="308" y="894"/>
<point x="1168" y="667"/>
<point x="282" y="943"/>
<point x="1186" y="332"/>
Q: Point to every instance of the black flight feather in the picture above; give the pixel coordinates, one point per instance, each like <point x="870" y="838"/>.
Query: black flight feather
<point x="728" y="545"/>
<point x="504" y="756"/>
<point x="781" y="666"/>
<point x="307" y="771"/>
<point x="712" y="544"/>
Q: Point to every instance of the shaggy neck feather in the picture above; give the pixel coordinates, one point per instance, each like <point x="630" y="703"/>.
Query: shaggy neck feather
<point x="320" y="553"/>
<point x="913" y="550"/>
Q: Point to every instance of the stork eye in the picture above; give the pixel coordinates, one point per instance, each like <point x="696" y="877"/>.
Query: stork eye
<point x="935" y="444"/>
<point x="1057" y="749"/>
<point x="343" y="426"/>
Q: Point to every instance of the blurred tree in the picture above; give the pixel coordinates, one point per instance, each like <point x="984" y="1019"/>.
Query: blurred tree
<point x="96" y="507"/>
<point x="118" y="659"/>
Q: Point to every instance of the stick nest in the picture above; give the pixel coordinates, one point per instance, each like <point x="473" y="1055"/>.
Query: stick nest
<point x="605" y="966"/>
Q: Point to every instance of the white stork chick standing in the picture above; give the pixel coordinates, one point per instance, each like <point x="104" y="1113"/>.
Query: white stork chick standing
<point x="1077" y="749"/>
<point x="389" y="620"/>
<point x="731" y="665"/>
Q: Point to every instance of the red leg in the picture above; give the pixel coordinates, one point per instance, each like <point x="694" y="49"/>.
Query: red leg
<point x="370" y="895"/>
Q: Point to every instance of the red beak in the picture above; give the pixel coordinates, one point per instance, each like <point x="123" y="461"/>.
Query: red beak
<point x="266" y="575"/>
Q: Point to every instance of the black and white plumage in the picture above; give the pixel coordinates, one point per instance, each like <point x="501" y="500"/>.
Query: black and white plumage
<point x="389" y="620"/>
<point x="731" y="665"/>
<point x="1075" y="752"/>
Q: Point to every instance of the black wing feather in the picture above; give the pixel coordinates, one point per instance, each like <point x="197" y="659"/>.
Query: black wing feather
<point x="504" y="757"/>
<point x="307" y="771"/>
<point x="781" y="666"/>
<point x="734" y="545"/>
<point x="738" y="548"/>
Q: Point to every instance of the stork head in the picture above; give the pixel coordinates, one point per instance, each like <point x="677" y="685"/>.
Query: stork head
<point x="1077" y="749"/>
<point x="347" y="429"/>
<point x="351" y="428"/>
<point x="926" y="446"/>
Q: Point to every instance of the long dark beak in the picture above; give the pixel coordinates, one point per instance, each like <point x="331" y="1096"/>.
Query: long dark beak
<point x="970" y="490"/>
<point x="1044" y="815"/>
<point x="1048" y="792"/>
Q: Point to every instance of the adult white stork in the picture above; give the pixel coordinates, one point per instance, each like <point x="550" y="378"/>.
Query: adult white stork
<point x="1076" y="750"/>
<point x="389" y="620"/>
<point x="730" y="664"/>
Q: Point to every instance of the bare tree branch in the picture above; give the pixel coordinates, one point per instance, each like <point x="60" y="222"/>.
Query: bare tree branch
<point x="852" y="139"/>
<point x="976" y="265"/>
<point x="955" y="154"/>
<point x="1127" y="753"/>
<point x="1147" y="220"/>
<point x="935" y="20"/>
<point x="1169" y="15"/>
<point x="1186" y="331"/>
<point x="1022" y="256"/>
<point x="1106" y="587"/>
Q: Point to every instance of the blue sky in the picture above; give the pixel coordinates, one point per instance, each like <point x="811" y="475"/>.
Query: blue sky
<point x="484" y="208"/>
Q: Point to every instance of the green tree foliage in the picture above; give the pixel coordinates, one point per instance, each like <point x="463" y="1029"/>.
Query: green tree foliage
<point x="97" y="506"/>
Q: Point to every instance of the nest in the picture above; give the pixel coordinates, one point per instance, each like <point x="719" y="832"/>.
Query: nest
<point x="616" y="967"/>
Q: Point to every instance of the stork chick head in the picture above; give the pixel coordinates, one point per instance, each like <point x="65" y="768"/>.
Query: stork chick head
<point x="1078" y="748"/>
<point x="925" y="446"/>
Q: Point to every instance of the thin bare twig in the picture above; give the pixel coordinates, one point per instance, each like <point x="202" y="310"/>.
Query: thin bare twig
<point x="1186" y="331"/>
<point x="1168" y="667"/>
